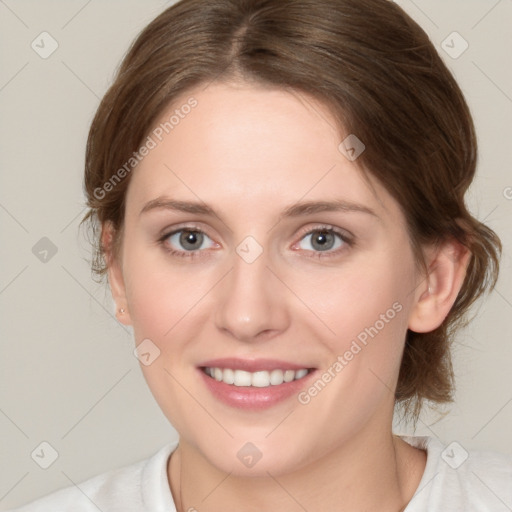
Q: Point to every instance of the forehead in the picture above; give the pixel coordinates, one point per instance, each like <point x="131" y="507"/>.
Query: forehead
<point x="259" y="147"/>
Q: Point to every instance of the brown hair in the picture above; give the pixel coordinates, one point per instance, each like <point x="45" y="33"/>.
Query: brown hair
<point x="381" y="78"/>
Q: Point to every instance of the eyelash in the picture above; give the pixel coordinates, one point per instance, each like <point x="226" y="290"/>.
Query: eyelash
<point x="346" y="239"/>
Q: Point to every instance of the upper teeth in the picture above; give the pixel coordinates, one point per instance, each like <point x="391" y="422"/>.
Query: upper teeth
<point x="259" y="379"/>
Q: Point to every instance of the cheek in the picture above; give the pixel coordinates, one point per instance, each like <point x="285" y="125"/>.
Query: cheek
<point x="355" y="297"/>
<point x="171" y="305"/>
<point x="155" y="294"/>
<point x="149" y="297"/>
<point x="366" y="307"/>
<point x="165" y="307"/>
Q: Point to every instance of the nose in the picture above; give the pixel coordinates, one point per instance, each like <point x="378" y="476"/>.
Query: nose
<point x="252" y="303"/>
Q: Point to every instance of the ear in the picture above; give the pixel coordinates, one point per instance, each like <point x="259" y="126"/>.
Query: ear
<point x="115" y="273"/>
<point x="434" y="298"/>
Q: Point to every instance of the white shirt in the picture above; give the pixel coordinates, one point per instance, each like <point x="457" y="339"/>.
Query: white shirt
<point x="453" y="481"/>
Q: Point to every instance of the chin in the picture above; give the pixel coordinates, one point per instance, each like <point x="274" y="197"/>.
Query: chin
<point x="242" y="458"/>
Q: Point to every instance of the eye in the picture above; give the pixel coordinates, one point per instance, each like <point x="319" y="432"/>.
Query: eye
<point x="186" y="242"/>
<point x="321" y="242"/>
<point x="325" y="239"/>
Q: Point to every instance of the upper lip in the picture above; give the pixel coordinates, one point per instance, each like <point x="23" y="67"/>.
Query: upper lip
<point x="252" y="365"/>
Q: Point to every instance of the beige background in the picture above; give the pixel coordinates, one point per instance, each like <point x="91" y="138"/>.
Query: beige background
<point x="68" y="375"/>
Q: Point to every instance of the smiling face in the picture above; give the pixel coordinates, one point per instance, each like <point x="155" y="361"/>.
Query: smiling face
<point x="262" y="284"/>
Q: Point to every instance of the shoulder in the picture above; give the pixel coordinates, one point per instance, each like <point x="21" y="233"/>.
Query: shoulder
<point x="138" y="487"/>
<point x="460" y="479"/>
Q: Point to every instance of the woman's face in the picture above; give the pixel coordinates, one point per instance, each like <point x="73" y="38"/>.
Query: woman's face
<point x="263" y="284"/>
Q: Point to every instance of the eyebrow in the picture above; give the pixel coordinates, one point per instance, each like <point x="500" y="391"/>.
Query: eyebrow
<point x="294" y="210"/>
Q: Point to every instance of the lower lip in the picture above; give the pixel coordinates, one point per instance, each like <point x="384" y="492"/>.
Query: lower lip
<point x="254" y="398"/>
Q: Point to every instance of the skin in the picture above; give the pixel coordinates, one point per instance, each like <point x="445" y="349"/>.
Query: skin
<point x="250" y="152"/>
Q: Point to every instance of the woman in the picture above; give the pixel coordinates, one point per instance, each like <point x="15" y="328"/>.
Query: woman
<point x="278" y="191"/>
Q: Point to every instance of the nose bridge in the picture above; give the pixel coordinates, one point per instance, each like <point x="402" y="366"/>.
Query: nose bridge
<point x="252" y="300"/>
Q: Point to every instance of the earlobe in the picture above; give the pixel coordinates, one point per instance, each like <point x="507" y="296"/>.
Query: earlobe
<point x="115" y="273"/>
<point x="439" y="289"/>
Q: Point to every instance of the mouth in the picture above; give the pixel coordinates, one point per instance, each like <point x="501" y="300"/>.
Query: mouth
<point x="258" y="379"/>
<point x="254" y="384"/>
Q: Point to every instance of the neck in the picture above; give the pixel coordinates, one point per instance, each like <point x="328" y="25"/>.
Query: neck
<point x="369" y="473"/>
